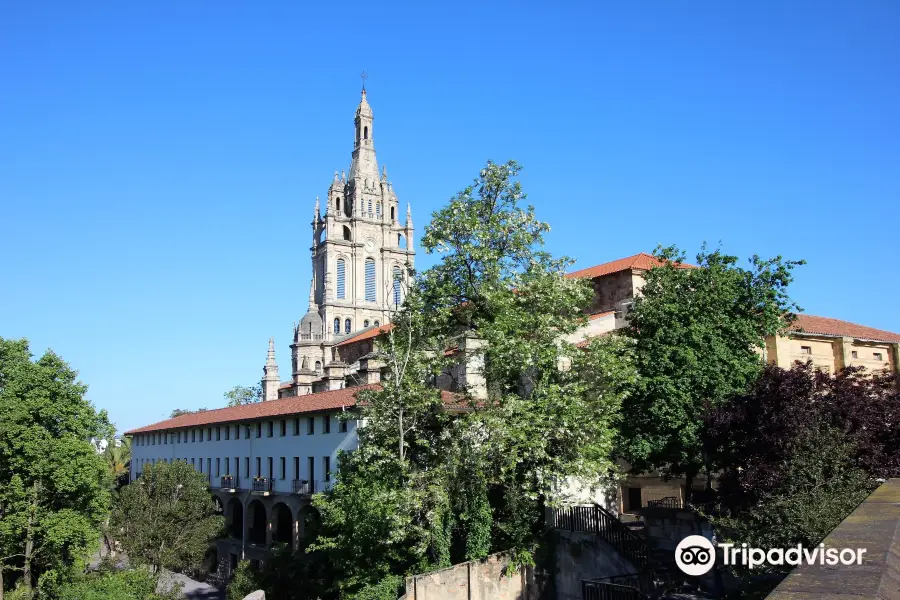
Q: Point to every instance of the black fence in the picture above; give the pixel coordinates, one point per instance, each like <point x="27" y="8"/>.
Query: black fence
<point x="303" y="487"/>
<point x="604" y="590"/>
<point x="597" y="520"/>
<point x="262" y="484"/>
<point x="667" y="502"/>
<point x="230" y="482"/>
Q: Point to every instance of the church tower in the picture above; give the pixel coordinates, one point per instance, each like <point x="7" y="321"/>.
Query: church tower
<point x="361" y="250"/>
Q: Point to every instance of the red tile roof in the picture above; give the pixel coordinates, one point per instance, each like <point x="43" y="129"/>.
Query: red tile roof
<point x="836" y="327"/>
<point x="605" y="313"/>
<point x="367" y="334"/>
<point x="292" y="405"/>
<point x="642" y="261"/>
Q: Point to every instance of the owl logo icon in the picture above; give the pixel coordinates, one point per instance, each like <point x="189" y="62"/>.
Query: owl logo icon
<point x="695" y="555"/>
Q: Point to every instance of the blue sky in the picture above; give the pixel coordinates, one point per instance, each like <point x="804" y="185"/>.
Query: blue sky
<point x="159" y="161"/>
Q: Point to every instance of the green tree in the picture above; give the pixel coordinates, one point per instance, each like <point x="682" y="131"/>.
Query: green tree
<point x="435" y="482"/>
<point x="118" y="460"/>
<point x="167" y="518"/>
<point x="54" y="486"/>
<point x="180" y="411"/>
<point x="698" y="334"/>
<point x="239" y="395"/>
<point x="110" y="583"/>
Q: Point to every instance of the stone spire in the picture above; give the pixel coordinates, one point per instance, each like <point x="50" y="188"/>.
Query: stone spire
<point x="316" y="212"/>
<point x="364" y="166"/>
<point x="409" y="222"/>
<point x="270" y="380"/>
<point x="312" y="297"/>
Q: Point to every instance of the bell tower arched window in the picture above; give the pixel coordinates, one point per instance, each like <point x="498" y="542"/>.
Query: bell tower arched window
<point x="397" y="279"/>
<point x="370" y="280"/>
<point x="337" y="325"/>
<point x="347" y="326"/>
<point x="340" y="278"/>
<point x="366" y="132"/>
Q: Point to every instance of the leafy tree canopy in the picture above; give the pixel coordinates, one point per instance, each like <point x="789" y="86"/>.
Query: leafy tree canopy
<point x="240" y="394"/>
<point x="698" y="334"/>
<point x="54" y="486"/>
<point x="167" y="517"/>
<point x="430" y="486"/>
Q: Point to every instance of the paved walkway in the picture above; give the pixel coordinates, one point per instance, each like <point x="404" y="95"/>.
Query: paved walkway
<point x="194" y="590"/>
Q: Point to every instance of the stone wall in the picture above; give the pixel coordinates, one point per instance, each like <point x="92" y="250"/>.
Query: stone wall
<point x="582" y="555"/>
<point x="486" y="579"/>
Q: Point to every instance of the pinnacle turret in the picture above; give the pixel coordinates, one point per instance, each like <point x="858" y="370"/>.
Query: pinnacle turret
<point x="270" y="381"/>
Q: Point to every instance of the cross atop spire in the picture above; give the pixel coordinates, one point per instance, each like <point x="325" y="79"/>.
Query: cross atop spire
<point x="363" y="76"/>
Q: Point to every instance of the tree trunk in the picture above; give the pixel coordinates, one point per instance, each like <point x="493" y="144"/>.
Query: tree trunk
<point x="688" y="485"/>
<point x="400" y="422"/>
<point x="1" y="581"/>
<point x="29" y="536"/>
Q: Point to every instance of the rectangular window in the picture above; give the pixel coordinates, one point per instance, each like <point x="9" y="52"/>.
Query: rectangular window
<point x="283" y="428"/>
<point x="326" y="424"/>
<point x="310" y="425"/>
<point x="209" y="466"/>
<point x="297" y="467"/>
<point x="877" y="355"/>
<point x="218" y="434"/>
<point x="805" y="350"/>
<point x="228" y="432"/>
<point x="270" y="428"/>
<point x="340" y="278"/>
<point x="311" y="468"/>
<point x="283" y="469"/>
<point x="200" y="460"/>
<point x="342" y="426"/>
<point x="192" y="463"/>
<point x="209" y="434"/>
<point x="227" y="466"/>
<point x="271" y="475"/>
<point x="259" y="430"/>
<point x="258" y="466"/>
<point x="326" y="467"/>
<point x="237" y="432"/>
<point x="854" y="354"/>
<point x="218" y="467"/>
<point x="193" y="435"/>
<point x="296" y="425"/>
<point x="246" y="466"/>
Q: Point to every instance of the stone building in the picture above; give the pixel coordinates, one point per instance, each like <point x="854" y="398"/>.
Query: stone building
<point x="830" y="343"/>
<point x="361" y="254"/>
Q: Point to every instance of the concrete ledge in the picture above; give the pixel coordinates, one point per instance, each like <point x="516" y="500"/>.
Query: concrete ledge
<point x="873" y="525"/>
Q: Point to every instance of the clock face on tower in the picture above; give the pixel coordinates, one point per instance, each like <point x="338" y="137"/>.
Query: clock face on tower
<point x="369" y="246"/>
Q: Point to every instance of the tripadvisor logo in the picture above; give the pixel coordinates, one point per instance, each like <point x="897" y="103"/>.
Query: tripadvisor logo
<point x="695" y="555"/>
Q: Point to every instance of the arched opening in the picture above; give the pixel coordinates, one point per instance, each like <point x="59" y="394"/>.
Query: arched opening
<point x="282" y="524"/>
<point x="370" y="207"/>
<point x="347" y="326"/>
<point x="392" y="214"/>
<point x="366" y="132"/>
<point x="377" y="322"/>
<point x="401" y="240"/>
<point x="337" y="325"/>
<point x="397" y="279"/>
<point x="370" y="280"/>
<point x="378" y="209"/>
<point x="235" y="519"/>
<point x="256" y="532"/>
<point x="311" y="520"/>
<point x="318" y="366"/>
<point x="340" y="278"/>
<point x="347" y="234"/>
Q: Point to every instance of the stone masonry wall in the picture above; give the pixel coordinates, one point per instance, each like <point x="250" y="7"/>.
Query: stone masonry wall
<point x="485" y="579"/>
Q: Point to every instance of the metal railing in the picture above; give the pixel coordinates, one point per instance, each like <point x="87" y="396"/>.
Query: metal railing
<point x="604" y="590"/>
<point x="230" y="482"/>
<point x="303" y="487"/>
<point x="262" y="484"/>
<point x="597" y="520"/>
<point x="667" y="502"/>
